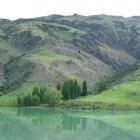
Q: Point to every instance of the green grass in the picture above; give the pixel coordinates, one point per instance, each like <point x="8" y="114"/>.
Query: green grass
<point x="50" y="57"/>
<point x="120" y="93"/>
<point x="33" y="27"/>
<point x="11" y="98"/>
<point x="8" y="100"/>
<point x="54" y="27"/>
<point x="125" y="95"/>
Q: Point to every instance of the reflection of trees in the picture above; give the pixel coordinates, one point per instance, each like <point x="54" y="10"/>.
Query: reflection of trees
<point x="84" y="121"/>
<point x="73" y="122"/>
<point x="40" y="116"/>
<point x="52" y="117"/>
<point x="41" y="124"/>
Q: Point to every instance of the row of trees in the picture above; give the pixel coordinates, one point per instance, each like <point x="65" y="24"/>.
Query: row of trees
<point x="71" y="89"/>
<point x="32" y="99"/>
<point x="39" y="92"/>
<point x="28" y="100"/>
<point x="40" y="96"/>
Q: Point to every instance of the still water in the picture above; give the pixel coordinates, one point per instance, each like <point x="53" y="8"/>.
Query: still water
<point x="56" y="124"/>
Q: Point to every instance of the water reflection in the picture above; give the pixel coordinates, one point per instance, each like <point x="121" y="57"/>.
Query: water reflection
<point x="73" y="122"/>
<point x="41" y="124"/>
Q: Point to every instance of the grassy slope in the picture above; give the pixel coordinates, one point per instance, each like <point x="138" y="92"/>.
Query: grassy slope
<point x="55" y="31"/>
<point x="125" y="95"/>
<point x="45" y="59"/>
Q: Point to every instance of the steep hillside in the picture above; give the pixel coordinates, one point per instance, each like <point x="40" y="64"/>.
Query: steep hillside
<point x="50" y="49"/>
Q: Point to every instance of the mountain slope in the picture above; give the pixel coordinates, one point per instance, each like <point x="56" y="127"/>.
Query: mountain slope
<point x="51" y="49"/>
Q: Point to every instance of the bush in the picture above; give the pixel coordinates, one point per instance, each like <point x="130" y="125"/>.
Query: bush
<point x="44" y="99"/>
<point x="34" y="100"/>
<point x="53" y="98"/>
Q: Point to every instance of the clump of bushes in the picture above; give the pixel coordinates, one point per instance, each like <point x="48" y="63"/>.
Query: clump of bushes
<point x="53" y="99"/>
<point x="40" y="96"/>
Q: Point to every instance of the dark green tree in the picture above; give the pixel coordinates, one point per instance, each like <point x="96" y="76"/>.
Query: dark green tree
<point x="36" y="91"/>
<point x="19" y="101"/>
<point x="66" y="92"/>
<point x="79" y="91"/>
<point x="71" y="88"/>
<point x="84" y="88"/>
<point x="58" y="86"/>
<point x="42" y="92"/>
<point x="76" y="89"/>
<point x="35" y="100"/>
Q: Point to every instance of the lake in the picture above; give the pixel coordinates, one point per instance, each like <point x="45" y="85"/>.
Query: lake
<point x="57" y="124"/>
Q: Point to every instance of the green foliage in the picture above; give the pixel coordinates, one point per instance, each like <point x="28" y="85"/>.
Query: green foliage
<point x="42" y="93"/>
<point x="29" y="100"/>
<point x="66" y="90"/>
<point x="39" y="96"/>
<point x="44" y="99"/>
<point x="58" y="86"/>
<point x="34" y="100"/>
<point x="71" y="89"/>
<point x="19" y="101"/>
<point x="76" y="89"/>
<point x="53" y="98"/>
<point x="39" y="92"/>
<point x="84" y="91"/>
<point x="36" y="91"/>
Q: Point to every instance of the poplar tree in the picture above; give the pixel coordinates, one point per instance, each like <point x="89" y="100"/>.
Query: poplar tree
<point x="84" y="88"/>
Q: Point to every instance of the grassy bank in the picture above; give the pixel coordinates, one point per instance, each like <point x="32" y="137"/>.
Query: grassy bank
<point x="124" y="95"/>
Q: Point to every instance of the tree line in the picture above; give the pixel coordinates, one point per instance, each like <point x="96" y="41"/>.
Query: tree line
<point x="32" y="99"/>
<point x="70" y="89"/>
<point x="40" y="96"/>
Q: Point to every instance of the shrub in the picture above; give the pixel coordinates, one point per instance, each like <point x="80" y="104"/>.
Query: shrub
<point x="53" y="98"/>
<point x="34" y="100"/>
<point x="44" y="99"/>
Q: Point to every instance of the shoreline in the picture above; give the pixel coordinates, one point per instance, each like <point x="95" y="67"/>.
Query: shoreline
<point x="85" y="108"/>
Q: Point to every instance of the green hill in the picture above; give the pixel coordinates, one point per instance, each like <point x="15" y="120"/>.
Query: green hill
<point x="49" y="50"/>
<point x="125" y="95"/>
